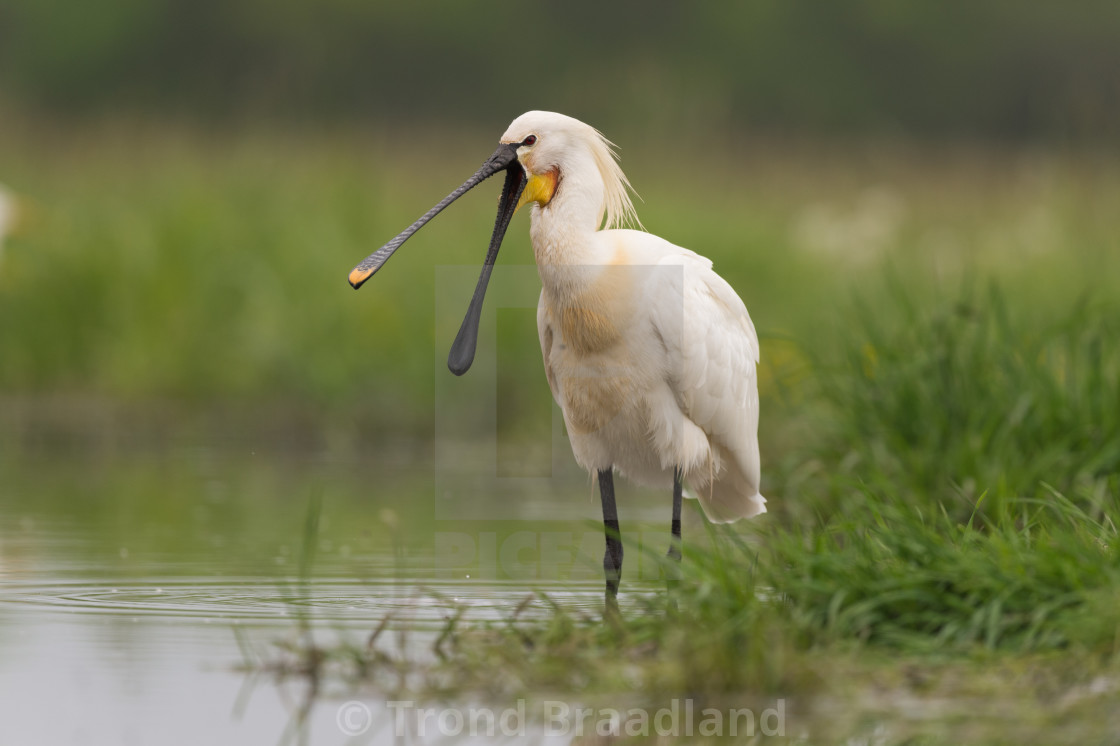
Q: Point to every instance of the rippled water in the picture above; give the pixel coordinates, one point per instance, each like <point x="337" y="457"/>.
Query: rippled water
<point x="157" y="660"/>
<point x="129" y="585"/>
<point x="336" y="602"/>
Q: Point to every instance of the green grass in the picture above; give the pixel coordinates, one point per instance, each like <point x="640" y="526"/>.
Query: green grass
<point x="893" y="552"/>
<point x="172" y="265"/>
<point x="887" y="597"/>
<point x="977" y="401"/>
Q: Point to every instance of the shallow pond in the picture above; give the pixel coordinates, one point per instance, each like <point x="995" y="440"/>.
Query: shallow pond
<point x="134" y="576"/>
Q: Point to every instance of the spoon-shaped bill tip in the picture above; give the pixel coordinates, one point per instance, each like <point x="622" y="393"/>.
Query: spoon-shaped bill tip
<point x="358" y="276"/>
<point x="502" y="159"/>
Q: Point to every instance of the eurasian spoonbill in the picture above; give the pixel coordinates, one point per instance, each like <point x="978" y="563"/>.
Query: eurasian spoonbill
<point x="649" y="353"/>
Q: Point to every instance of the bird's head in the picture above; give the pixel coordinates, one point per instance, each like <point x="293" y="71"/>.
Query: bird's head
<point x="542" y="154"/>
<point x="553" y="147"/>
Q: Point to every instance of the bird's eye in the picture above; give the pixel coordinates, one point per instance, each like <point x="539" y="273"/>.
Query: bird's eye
<point x="530" y="140"/>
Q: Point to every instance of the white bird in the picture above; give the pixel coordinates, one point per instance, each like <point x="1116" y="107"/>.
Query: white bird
<point x="649" y="353"/>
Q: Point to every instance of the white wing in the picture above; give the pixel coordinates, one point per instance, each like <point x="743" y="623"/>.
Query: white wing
<point x="713" y="352"/>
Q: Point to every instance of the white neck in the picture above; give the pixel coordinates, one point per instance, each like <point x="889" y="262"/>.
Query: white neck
<point x="563" y="231"/>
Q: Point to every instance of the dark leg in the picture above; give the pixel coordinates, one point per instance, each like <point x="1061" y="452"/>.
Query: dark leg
<point x="675" y="542"/>
<point x="672" y="580"/>
<point x="612" y="560"/>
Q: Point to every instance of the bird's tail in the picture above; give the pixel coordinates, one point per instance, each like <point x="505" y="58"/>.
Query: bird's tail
<point x="730" y="496"/>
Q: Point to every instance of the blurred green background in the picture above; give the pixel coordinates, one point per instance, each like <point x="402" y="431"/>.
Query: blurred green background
<point x="198" y="178"/>
<point x="918" y="203"/>
<point x="994" y="68"/>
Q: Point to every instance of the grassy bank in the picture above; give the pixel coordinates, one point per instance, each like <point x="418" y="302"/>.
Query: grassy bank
<point x="940" y="565"/>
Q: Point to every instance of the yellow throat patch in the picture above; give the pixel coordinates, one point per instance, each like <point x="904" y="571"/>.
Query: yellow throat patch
<point x="540" y="188"/>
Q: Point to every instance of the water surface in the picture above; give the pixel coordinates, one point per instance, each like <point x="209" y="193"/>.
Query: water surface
<point x="133" y="581"/>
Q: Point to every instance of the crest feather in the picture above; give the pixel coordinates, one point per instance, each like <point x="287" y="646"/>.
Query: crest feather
<point x="618" y="207"/>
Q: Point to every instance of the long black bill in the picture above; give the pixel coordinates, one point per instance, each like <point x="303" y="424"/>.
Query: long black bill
<point x="505" y="157"/>
<point x="462" y="349"/>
